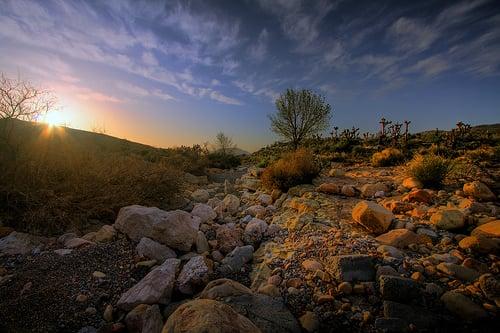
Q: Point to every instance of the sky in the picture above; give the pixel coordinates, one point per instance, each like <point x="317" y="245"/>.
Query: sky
<point x="171" y="73"/>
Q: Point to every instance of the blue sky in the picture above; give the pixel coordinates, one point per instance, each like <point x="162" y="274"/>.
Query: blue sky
<point x="169" y="73"/>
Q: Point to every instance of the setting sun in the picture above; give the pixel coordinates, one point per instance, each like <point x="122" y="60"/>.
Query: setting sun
<point x="54" y="118"/>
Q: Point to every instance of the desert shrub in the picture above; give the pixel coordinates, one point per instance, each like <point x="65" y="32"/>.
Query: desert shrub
<point x="223" y="161"/>
<point x="430" y="170"/>
<point x="188" y="159"/>
<point x="387" y="157"/>
<point x="292" y="169"/>
<point x="482" y="154"/>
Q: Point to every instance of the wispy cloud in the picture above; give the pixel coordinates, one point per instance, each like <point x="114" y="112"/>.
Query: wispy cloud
<point x="259" y="49"/>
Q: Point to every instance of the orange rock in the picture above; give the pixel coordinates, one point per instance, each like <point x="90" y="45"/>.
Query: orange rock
<point x="418" y="196"/>
<point x="329" y="188"/>
<point x="490" y="229"/>
<point x="400" y="238"/>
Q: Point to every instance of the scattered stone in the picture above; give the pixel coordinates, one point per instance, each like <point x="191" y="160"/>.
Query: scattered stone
<point x="372" y="216"/>
<point x="108" y="313"/>
<point x="193" y="275"/>
<point x="398" y="289"/>
<point x="345" y="288"/>
<point x="204" y="212"/>
<point x="148" y="248"/>
<point x="411" y="314"/>
<point x="478" y="191"/>
<point x="235" y="260"/>
<point x="411" y="183"/>
<point x="356" y="267"/>
<point x="312" y="265"/>
<point x="418" y="196"/>
<point x="400" y="238"/>
<point x="202" y="243"/>
<point x="369" y="190"/>
<point x="462" y="306"/>
<point x="348" y="191"/>
<point x="390" y="251"/>
<point x="254" y="231"/>
<point x="391" y="325"/>
<point x="98" y="275"/>
<point x="460" y="272"/>
<point x="144" y="318"/>
<point x="230" y="204"/>
<point x="200" y="195"/>
<point x="155" y="287"/>
<point x="309" y="321"/>
<point x="448" y="219"/>
<point x="228" y="237"/>
<point x="490" y="229"/>
<point x="176" y="229"/>
<point x="329" y="188"/>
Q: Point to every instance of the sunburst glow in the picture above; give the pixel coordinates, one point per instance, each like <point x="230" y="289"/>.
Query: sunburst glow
<point x="54" y="118"/>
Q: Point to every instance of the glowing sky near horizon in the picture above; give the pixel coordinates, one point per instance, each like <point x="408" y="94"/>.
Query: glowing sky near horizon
<point x="171" y="73"/>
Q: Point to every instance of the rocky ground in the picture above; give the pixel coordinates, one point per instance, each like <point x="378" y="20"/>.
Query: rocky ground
<point x="362" y="250"/>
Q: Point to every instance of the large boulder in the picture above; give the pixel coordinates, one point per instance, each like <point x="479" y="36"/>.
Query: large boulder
<point x="155" y="287"/>
<point x="372" y="216"/>
<point x="448" y="219"/>
<point x="193" y="275"/>
<point x="176" y="229"/>
<point x="479" y="191"/>
<point x="205" y="315"/>
<point x="490" y="230"/>
<point x="153" y="250"/>
<point x="222" y="288"/>
<point x="144" y="318"/>
<point x="204" y="212"/>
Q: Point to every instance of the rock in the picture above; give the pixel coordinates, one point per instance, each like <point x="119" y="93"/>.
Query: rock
<point x="155" y="287"/>
<point x="202" y="243"/>
<point x="200" y="195"/>
<point x="63" y="238"/>
<point x="448" y="219"/>
<point x="460" y="272"/>
<point x="193" y="275"/>
<point x="98" y="275"/>
<point x="372" y="216"/>
<point x="148" y="248"/>
<point x="397" y="207"/>
<point x="144" y="318"/>
<point x="345" y="288"/>
<point x="312" y="265"/>
<point x="462" y="306"/>
<point x="490" y="229"/>
<point x="222" y="288"/>
<point x="5" y="231"/>
<point x="230" y="204"/>
<point x="235" y="260"/>
<point x="228" y="187"/>
<point x="77" y="242"/>
<point x="298" y="221"/>
<point x="255" y="210"/>
<point x="411" y="183"/>
<point x="108" y="313"/>
<point x="20" y="243"/>
<point x="385" y="270"/>
<point x="176" y="229"/>
<point x="330" y="188"/>
<point x="336" y="173"/>
<point x="204" y="212"/>
<point x="228" y="237"/>
<point x="254" y="231"/>
<point x="390" y="251"/>
<point x="391" y="325"/>
<point x="369" y="190"/>
<point x="479" y="191"/>
<point x="106" y="234"/>
<point x="399" y="289"/>
<point x="269" y="290"/>
<point x="422" y="318"/>
<point x="480" y="244"/>
<point x="303" y="205"/>
<point x="400" y="238"/>
<point x="418" y="196"/>
<point x="355" y="267"/>
<point x="473" y="206"/>
<point x="265" y="199"/>
<point x="205" y="315"/>
<point x="490" y="286"/>
<point x="251" y="184"/>
<point x="309" y="321"/>
<point x="87" y="329"/>
<point x="348" y="191"/>
<point x="63" y="252"/>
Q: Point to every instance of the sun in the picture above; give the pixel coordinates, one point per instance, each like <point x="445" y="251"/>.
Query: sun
<point x="54" y="118"/>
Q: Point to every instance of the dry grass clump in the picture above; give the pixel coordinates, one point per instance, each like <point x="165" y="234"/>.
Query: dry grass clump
<point x="431" y="170"/>
<point x="295" y="168"/>
<point x="387" y="157"/>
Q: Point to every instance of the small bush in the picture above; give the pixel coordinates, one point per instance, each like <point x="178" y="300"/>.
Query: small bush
<point x="387" y="157"/>
<point x="223" y="161"/>
<point x="430" y="170"/>
<point x="292" y="169"/>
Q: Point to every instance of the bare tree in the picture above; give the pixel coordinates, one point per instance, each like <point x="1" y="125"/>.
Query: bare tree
<point x="224" y="143"/>
<point x="20" y="99"/>
<point x="301" y="114"/>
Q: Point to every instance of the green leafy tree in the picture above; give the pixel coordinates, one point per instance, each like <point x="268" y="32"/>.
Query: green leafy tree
<point x="300" y="115"/>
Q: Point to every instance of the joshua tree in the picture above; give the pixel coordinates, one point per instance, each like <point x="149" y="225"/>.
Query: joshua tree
<point x="224" y="143"/>
<point x="407" y="124"/>
<point x="301" y="114"/>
